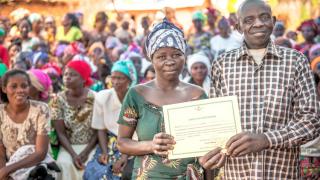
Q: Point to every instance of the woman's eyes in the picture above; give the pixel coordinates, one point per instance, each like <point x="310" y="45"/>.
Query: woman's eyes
<point x="15" y="86"/>
<point x="176" y="55"/>
<point x="161" y="57"/>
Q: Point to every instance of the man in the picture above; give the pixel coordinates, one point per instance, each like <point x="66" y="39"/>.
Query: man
<point x="225" y="41"/>
<point x="277" y="101"/>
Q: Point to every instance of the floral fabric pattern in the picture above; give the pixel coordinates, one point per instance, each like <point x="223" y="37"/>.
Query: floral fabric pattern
<point x="77" y="119"/>
<point x="14" y="135"/>
<point x="148" y="120"/>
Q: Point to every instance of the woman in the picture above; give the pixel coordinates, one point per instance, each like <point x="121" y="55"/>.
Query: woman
<point x="36" y="24"/>
<point x="108" y="161"/>
<point x="41" y="85"/>
<point x="314" y="52"/>
<point x="23" y="128"/>
<point x="310" y="152"/>
<point x="69" y="31"/>
<point x="3" y="70"/>
<point x="199" y="69"/>
<point x="27" y="41"/>
<point x="200" y="39"/>
<point x="71" y="118"/>
<point x="309" y="31"/>
<point x="98" y="34"/>
<point x="98" y="58"/>
<point x="149" y="74"/>
<point x="142" y="109"/>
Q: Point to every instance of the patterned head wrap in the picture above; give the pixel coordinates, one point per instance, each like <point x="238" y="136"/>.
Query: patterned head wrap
<point x="165" y="34"/>
<point x="40" y="57"/>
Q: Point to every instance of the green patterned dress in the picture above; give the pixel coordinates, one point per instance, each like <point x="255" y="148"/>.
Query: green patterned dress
<point x="148" y="120"/>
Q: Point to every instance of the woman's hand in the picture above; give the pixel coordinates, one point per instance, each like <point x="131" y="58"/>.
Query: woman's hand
<point x="103" y="158"/>
<point x="213" y="159"/>
<point x="4" y="173"/>
<point x="119" y="165"/>
<point x="77" y="162"/>
<point x="161" y="143"/>
<point x="84" y="156"/>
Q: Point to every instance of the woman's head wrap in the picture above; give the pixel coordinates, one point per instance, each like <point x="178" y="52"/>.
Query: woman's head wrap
<point x="2" y="32"/>
<point x="40" y="57"/>
<point x="315" y="64"/>
<point x="83" y="69"/>
<point x="310" y="23"/>
<point x="34" y="17"/>
<point x="52" y="68"/>
<point x="196" y="58"/>
<point x="75" y="48"/>
<point x="95" y="46"/>
<point x="165" y="34"/>
<point x="198" y="15"/>
<point x="41" y="81"/>
<point x="3" y="69"/>
<point x="127" y="68"/>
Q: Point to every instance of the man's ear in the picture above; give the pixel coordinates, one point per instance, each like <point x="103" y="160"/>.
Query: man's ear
<point x="237" y="27"/>
<point x="274" y="19"/>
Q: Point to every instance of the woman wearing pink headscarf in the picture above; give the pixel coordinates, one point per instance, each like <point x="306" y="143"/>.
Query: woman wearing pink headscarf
<point x="41" y="85"/>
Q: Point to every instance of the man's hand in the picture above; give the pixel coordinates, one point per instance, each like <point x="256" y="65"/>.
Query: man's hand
<point x="213" y="159"/>
<point x="245" y="143"/>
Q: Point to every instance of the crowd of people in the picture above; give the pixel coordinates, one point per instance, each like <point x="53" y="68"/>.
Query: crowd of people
<point x="86" y="103"/>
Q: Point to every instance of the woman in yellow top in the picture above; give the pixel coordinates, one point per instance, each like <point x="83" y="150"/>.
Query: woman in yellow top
<point x="70" y="30"/>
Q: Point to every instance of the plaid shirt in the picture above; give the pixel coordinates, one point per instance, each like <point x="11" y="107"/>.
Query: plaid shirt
<point x="276" y="98"/>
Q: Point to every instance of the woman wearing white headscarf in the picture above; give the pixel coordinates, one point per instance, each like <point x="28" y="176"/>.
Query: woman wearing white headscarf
<point x="199" y="69"/>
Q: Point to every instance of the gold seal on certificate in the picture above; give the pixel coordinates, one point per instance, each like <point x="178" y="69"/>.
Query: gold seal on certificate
<point x="200" y="126"/>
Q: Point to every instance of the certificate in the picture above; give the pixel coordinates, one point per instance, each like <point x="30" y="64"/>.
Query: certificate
<point x="200" y="126"/>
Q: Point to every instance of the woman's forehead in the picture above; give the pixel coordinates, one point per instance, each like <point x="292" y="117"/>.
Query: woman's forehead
<point x="167" y="50"/>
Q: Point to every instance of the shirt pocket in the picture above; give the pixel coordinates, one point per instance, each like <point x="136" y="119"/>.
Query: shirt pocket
<point x="276" y="107"/>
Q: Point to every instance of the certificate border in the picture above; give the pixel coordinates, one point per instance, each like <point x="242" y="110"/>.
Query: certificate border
<point x="223" y="101"/>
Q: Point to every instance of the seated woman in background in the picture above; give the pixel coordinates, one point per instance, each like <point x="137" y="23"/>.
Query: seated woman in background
<point x="108" y="161"/>
<point x="142" y="109"/>
<point x="41" y="85"/>
<point x="199" y="69"/>
<point x="71" y="118"/>
<point x="23" y="128"/>
<point x="149" y="74"/>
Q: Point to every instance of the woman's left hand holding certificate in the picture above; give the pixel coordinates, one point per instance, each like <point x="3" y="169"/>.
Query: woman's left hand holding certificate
<point x="162" y="143"/>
